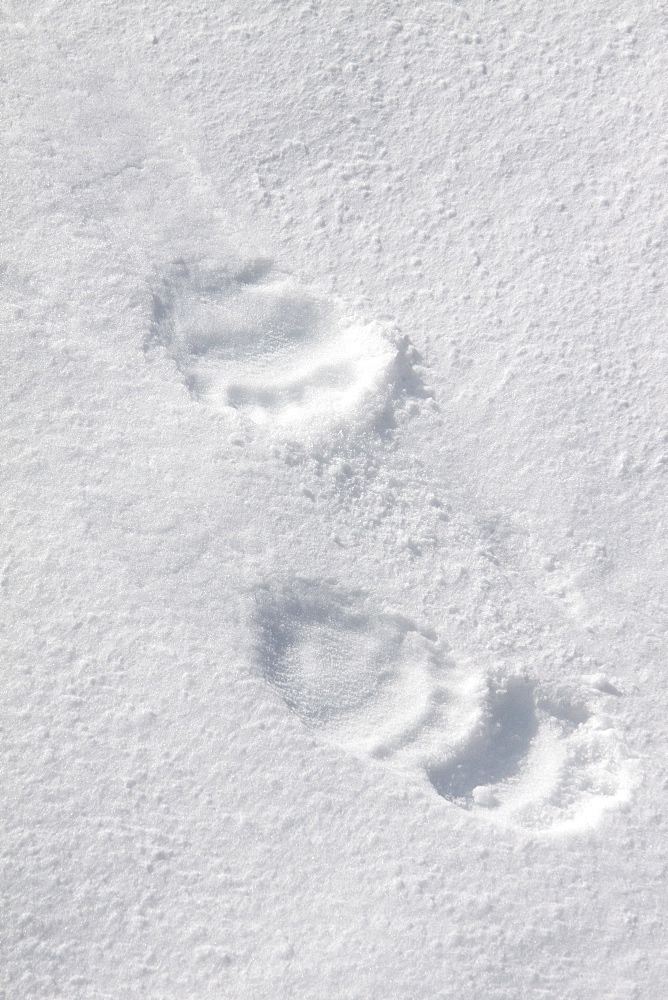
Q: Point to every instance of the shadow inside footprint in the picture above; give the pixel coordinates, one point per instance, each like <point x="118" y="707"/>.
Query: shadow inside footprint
<point x="497" y="749"/>
<point x="319" y="650"/>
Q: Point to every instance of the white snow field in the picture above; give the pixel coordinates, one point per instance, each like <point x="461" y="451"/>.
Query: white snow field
<point x="334" y="552"/>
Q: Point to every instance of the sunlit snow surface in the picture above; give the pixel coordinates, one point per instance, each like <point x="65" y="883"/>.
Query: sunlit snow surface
<point x="335" y="453"/>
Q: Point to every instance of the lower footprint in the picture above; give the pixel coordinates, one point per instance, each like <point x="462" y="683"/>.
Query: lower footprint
<point x="379" y="686"/>
<point x="252" y="340"/>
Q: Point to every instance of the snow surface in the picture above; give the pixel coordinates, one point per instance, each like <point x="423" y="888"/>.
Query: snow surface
<point x="335" y="453"/>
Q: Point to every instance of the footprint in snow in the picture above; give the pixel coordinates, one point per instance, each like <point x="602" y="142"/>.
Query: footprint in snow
<point x="253" y="340"/>
<point x="379" y="686"/>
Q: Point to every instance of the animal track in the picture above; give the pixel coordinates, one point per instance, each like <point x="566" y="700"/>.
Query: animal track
<point x="254" y="341"/>
<point x="379" y="686"/>
<point x="374" y="684"/>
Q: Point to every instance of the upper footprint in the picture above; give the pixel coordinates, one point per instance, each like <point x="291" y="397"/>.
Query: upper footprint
<point x="377" y="685"/>
<point x="253" y="340"/>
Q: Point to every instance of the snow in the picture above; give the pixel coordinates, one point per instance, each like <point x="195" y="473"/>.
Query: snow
<point x="334" y="441"/>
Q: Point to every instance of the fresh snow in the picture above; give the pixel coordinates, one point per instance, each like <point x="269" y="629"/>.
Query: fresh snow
<point x="334" y="551"/>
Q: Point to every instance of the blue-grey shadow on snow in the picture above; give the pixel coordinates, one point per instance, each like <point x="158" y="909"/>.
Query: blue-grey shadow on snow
<point x="496" y="752"/>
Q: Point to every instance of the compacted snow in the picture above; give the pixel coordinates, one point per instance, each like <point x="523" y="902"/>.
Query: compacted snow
<point x="335" y="466"/>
